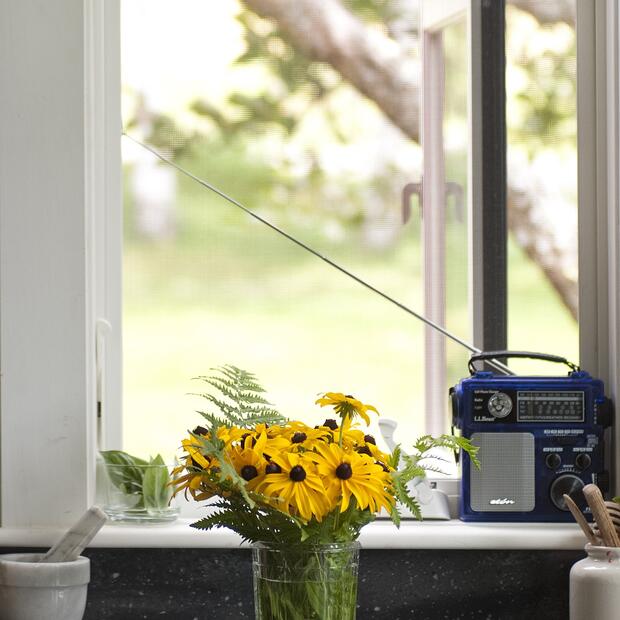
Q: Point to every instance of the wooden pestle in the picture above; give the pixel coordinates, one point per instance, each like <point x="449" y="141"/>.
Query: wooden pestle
<point x="595" y="500"/>
<point x="581" y="520"/>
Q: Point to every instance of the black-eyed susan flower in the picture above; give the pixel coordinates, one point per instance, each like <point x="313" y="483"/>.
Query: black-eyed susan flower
<point x="293" y="485"/>
<point x="198" y="480"/>
<point x="346" y="406"/>
<point x="248" y="458"/>
<point x="301" y="436"/>
<point x="346" y="474"/>
<point x="230" y="434"/>
<point x="193" y="448"/>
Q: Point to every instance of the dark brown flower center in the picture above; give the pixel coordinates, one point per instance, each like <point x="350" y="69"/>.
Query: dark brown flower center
<point x="244" y="437"/>
<point x="331" y="423"/>
<point x="200" y="430"/>
<point x="197" y="465"/>
<point x="364" y="450"/>
<point x="299" y="437"/>
<point x="297" y="474"/>
<point x="370" y="439"/>
<point x="344" y="471"/>
<point x="248" y="472"/>
<point x="273" y="468"/>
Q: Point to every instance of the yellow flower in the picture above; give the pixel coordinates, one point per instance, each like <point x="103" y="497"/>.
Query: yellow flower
<point x="346" y="406"/>
<point x="292" y="482"/>
<point x="272" y="443"/>
<point x="299" y="435"/>
<point x="194" y="478"/>
<point x="248" y="458"/>
<point x="192" y="447"/>
<point x="367" y="445"/>
<point x="230" y="434"/>
<point x="347" y="474"/>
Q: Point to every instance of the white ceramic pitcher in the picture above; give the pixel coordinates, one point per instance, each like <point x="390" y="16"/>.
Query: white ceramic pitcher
<point x="595" y="585"/>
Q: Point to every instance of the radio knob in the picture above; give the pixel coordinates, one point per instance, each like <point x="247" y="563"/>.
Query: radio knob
<point x="583" y="461"/>
<point x="553" y="460"/>
<point x="570" y="485"/>
<point x="499" y="405"/>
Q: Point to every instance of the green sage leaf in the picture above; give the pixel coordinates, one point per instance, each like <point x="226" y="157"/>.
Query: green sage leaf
<point x="155" y="488"/>
<point x="125" y="471"/>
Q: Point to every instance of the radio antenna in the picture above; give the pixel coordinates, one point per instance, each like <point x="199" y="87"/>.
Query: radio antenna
<point x="472" y="349"/>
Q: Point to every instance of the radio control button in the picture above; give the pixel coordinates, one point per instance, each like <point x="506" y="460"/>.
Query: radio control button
<point x="499" y="405"/>
<point x="553" y="460"/>
<point x="571" y="485"/>
<point x="583" y="461"/>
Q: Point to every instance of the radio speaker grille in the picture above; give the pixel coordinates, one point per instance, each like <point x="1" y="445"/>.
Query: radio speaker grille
<point x="506" y="480"/>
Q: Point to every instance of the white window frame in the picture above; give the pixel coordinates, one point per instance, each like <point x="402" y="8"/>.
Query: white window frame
<point x="435" y="17"/>
<point x="60" y="242"/>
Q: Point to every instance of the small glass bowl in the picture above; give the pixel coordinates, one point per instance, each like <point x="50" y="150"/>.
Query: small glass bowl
<point x="136" y="493"/>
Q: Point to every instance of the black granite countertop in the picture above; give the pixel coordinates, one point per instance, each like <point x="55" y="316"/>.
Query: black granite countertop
<point x="216" y="584"/>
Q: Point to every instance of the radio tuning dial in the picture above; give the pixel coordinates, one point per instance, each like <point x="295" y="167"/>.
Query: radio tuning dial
<point x="570" y="485"/>
<point x="500" y="405"/>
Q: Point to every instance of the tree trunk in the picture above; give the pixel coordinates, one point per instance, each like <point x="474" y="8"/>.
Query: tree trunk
<point x="375" y="64"/>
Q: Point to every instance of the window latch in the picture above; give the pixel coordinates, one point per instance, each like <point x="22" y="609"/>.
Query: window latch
<point x="410" y="190"/>
<point x="102" y="330"/>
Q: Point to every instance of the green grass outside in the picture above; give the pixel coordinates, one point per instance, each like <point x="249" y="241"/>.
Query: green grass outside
<point x="228" y="290"/>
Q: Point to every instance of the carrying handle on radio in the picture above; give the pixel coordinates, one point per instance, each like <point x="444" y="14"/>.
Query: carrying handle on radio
<point x="487" y="355"/>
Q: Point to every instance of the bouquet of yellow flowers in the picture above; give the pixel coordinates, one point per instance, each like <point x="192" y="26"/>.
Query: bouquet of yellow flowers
<point x="286" y="485"/>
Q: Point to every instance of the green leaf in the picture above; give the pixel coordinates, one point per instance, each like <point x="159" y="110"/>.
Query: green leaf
<point x="155" y="488"/>
<point x="125" y="471"/>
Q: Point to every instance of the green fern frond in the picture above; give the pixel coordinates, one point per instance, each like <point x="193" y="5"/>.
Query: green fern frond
<point x="408" y="501"/>
<point x="211" y="418"/>
<point x="394" y="459"/>
<point x="395" y="515"/>
<point x="451" y="442"/>
<point x="239" y="400"/>
<point x="252" y="524"/>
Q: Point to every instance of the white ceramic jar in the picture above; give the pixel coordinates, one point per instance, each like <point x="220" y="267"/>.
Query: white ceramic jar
<point x="33" y="591"/>
<point x="595" y="585"/>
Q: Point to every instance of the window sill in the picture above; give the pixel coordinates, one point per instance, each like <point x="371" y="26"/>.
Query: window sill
<point x="378" y="535"/>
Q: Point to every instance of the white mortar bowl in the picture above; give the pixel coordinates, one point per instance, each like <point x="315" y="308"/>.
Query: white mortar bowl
<point x="33" y="591"/>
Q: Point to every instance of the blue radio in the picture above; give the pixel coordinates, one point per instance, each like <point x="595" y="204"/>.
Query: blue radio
<point x="538" y="438"/>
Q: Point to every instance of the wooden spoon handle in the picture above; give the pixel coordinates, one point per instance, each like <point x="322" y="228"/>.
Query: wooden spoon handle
<point x="581" y="520"/>
<point x="596" y="502"/>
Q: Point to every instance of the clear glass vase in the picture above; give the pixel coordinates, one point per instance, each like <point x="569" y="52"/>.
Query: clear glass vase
<point x="305" y="582"/>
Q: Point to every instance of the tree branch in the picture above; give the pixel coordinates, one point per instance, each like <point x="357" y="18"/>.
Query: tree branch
<point x="374" y="64"/>
<point x="325" y="31"/>
<point x="548" y="12"/>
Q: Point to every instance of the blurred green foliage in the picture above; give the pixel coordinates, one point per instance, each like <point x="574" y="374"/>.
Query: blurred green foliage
<point x="226" y="289"/>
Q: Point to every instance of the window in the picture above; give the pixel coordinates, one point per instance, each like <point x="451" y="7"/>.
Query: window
<point x="42" y="241"/>
<point x="295" y="139"/>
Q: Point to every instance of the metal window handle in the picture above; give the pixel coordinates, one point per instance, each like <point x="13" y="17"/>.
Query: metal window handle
<point x="452" y="189"/>
<point x="408" y="191"/>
